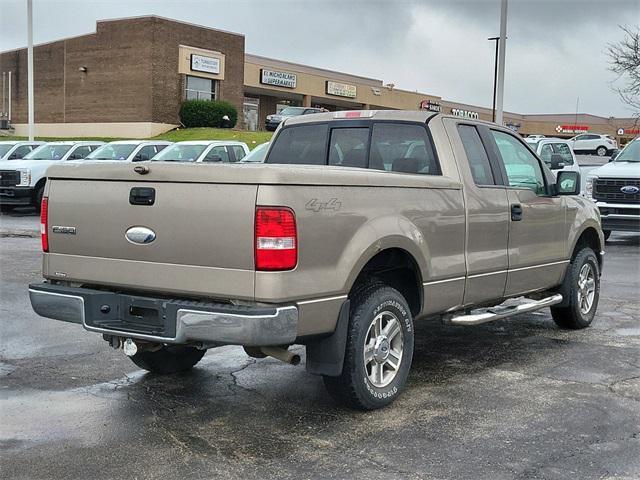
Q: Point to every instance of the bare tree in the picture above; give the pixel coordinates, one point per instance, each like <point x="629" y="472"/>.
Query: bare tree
<point x="624" y="61"/>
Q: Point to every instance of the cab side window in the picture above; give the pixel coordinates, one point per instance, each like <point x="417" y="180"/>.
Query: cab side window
<point x="546" y="152"/>
<point x="219" y="151"/>
<point x="563" y="150"/>
<point x="402" y="148"/>
<point x="80" y="152"/>
<point x="476" y="155"/>
<point x="521" y="166"/>
<point x="145" y="153"/>
<point x="238" y="152"/>
<point x="348" y="147"/>
<point x="20" y="152"/>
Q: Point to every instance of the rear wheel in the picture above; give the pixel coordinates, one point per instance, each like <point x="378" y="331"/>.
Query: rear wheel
<point x="170" y="359"/>
<point x="582" y="285"/>
<point x="601" y="151"/>
<point x="379" y="349"/>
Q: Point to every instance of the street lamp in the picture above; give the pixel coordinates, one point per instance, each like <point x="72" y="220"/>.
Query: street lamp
<point x="501" y="56"/>
<point x="495" y="76"/>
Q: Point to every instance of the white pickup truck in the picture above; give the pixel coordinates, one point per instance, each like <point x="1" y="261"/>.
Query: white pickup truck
<point x="615" y="187"/>
<point x="22" y="181"/>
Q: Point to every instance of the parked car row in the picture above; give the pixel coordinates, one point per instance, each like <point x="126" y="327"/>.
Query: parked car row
<point x="23" y="165"/>
<point x="586" y="143"/>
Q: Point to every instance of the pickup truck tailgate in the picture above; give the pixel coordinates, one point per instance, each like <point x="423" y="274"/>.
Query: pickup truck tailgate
<point x="203" y="236"/>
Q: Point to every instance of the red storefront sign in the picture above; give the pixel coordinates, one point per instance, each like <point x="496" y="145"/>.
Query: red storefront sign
<point x="572" y="128"/>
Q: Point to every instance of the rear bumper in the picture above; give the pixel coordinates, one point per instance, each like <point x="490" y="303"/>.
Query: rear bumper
<point x="170" y="321"/>
<point x="16" y="195"/>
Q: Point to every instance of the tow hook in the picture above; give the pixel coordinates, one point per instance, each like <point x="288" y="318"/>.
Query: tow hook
<point x="130" y="348"/>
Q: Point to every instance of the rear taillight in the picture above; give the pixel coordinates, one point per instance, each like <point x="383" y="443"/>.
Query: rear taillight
<point x="44" y="223"/>
<point x="276" y="239"/>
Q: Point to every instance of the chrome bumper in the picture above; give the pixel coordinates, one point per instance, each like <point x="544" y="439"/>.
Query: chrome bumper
<point x="178" y="321"/>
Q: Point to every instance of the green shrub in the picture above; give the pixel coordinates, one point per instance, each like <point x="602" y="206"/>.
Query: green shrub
<point x="207" y="113"/>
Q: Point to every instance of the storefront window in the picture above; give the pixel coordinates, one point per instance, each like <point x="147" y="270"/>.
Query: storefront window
<point x="199" y="88"/>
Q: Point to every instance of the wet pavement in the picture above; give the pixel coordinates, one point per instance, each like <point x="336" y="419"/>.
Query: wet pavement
<point x="513" y="399"/>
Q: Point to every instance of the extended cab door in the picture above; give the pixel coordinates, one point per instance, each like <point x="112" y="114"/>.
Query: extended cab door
<point x="487" y="211"/>
<point x="537" y="227"/>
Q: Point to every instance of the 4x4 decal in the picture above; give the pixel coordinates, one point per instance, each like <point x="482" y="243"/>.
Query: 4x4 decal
<point x="316" y="205"/>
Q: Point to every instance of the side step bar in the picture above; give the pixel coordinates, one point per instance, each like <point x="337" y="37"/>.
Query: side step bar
<point x="504" y="312"/>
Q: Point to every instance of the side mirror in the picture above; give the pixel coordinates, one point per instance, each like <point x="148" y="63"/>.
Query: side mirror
<point x="140" y="158"/>
<point x="567" y="183"/>
<point x="13" y="156"/>
<point x="213" y="158"/>
<point x="614" y="155"/>
<point x="557" y="162"/>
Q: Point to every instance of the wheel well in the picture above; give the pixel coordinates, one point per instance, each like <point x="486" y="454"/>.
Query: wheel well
<point x="39" y="183"/>
<point x="589" y="238"/>
<point x="398" y="269"/>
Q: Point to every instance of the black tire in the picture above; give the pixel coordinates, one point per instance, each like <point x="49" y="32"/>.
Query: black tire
<point x="607" y="234"/>
<point x="353" y="387"/>
<point x="601" y="151"/>
<point x="168" y="360"/>
<point x="37" y="198"/>
<point x="572" y="315"/>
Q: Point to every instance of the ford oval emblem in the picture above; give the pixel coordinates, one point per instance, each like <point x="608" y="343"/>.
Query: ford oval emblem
<point x="140" y="235"/>
<point x="630" y="189"/>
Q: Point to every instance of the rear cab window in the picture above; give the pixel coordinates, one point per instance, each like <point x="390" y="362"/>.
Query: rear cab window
<point x="400" y="147"/>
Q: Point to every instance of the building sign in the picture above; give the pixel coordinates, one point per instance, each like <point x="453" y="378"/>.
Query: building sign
<point x="465" y="113"/>
<point x="341" y="89"/>
<point x="572" y="128"/>
<point x="629" y="131"/>
<point x="200" y="63"/>
<point x="430" y="105"/>
<point x="279" y="79"/>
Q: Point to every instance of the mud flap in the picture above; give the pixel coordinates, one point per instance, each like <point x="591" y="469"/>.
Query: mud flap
<point x="325" y="356"/>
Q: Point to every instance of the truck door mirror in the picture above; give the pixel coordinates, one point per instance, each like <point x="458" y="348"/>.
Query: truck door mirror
<point x="212" y="158"/>
<point x="557" y="162"/>
<point x="567" y="183"/>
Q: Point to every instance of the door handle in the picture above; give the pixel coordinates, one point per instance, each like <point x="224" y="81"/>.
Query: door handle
<point x="516" y="212"/>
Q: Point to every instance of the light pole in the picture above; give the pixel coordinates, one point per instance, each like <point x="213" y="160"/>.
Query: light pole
<point x="495" y="76"/>
<point x="30" y="68"/>
<point x="501" y="56"/>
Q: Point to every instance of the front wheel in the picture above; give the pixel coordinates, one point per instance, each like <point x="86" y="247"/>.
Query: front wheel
<point x="601" y="151"/>
<point x="169" y="359"/>
<point x="582" y="286"/>
<point x="379" y="349"/>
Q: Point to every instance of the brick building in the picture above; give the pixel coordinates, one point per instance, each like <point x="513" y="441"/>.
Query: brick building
<point x="129" y="78"/>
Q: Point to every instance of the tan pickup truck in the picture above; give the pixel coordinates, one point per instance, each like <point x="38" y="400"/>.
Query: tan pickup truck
<point x="358" y="225"/>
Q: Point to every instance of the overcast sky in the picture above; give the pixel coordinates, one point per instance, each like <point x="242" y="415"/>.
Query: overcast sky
<point x="555" y="49"/>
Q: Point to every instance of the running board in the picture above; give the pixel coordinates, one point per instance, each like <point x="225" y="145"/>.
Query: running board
<point x="503" y="312"/>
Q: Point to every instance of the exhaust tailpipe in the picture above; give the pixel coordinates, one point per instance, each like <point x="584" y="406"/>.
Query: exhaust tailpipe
<point x="281" y="354"/>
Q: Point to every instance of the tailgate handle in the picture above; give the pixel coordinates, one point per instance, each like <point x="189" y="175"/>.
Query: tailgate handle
<point x="142" y="196"/>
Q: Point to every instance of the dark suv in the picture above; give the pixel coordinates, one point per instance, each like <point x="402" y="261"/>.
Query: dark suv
<point x="274" y="120"/>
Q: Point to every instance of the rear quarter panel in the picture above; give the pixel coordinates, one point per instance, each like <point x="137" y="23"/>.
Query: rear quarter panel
<point x="340" y="228"/>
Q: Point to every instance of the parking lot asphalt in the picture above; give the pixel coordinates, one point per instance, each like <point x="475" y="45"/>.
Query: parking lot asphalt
<point x="512" y="399"/>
